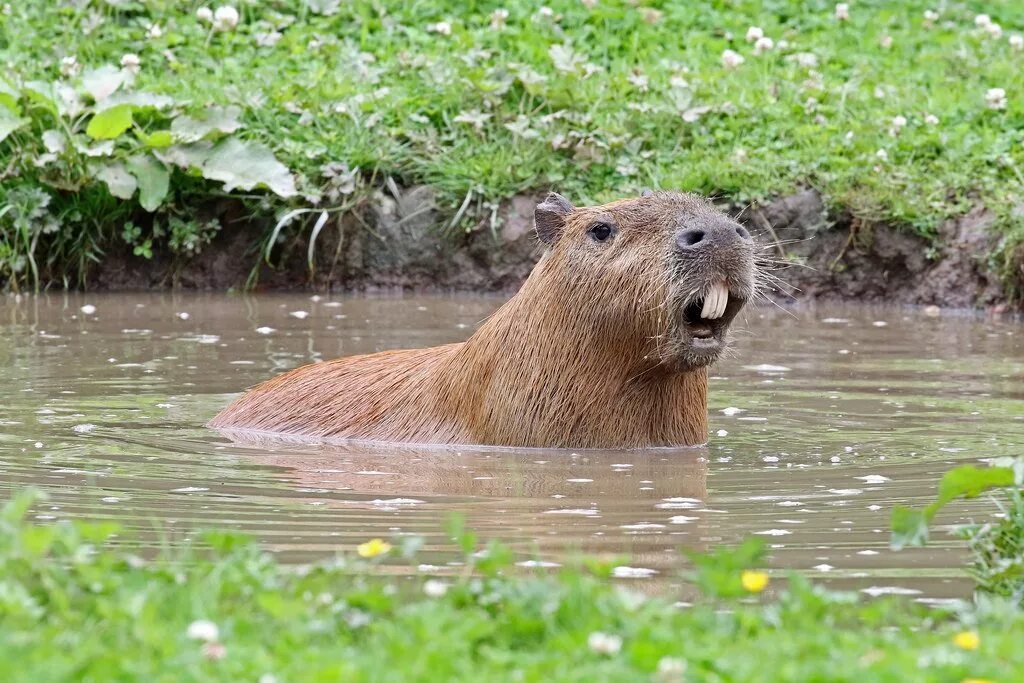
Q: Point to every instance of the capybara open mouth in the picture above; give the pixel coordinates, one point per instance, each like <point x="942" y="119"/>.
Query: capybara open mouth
<point x="705" y="322"/>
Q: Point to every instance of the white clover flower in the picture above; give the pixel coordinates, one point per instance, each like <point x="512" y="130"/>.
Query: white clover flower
<point x="204" y="14"/>
<point x="885" y="42"/>
<point x="603" y="643"/>
<point x="203" y="629"/>
<point x="982" y="20"/>
<point x="898" y="124"/>
<point x="842" y="11"/>
<point x="69" y="66"/>
<point x="225" y="18"/>
<point x="589" y="4"/>
<point x="930" y="16"/>
<point x="546" y="12"/>
<point x="754" y="33"/>
<point x="434" y="588"/>
<point x="783" y="44"/>
<point x="731" y="59"/>
<point x="879" y="92"/>
<point x="214" y="651"/>
<point x="931" y="119"/>
<point x="131" y="62"/>
<point x="807" y="60"/>
<point x="668" y="666"/>
<point x="154" y="31"/>
<point x="763" y="44"/>
<point x="994" y="30"/>
<point x="995" y="98"/>
<point x="1017" y="42"/>
<point x="498" y="18"/>
<point x="882" y="155"/>
<point x="442" y="28"/>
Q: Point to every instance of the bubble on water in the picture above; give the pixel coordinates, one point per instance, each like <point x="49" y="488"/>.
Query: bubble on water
<point x="875" y="591"/>
<point x="867" y="552"/>
<point x="774" y="532"/>
<point x="189" y="489"/>
<point x="677" y="503"/>
<point x="848" y="449"/>
<point x="396" y="501"/>
<point x="682" y="519"/>
<point x="835" y="321"/>
<point x="583" y="512"/>
<point x="265" y="330"/>
<point x="301" y="315"/>
<point x="843" y="352"/>
<point x="880" y="323"/>
<point x="770" y="458"/>
<point x="874" y="507"/>
<point x="835" y="458"/>
<point x="767" y="368"/>
<point x="873" y="479"/>
<point x="846" y="492"/>
<point x="633" y="572"/>
<point x="183" y="315"/>
<point x="579" y="481"/>
<point x="83" y="428"/>
<point x="110" y="499"/>
<point x="88" y="309"/>
<point x="730" y="411"/>
<point x="38" y="444"/>
<point x="621" y="464"/>
<point x="823" y="567"/>
<point x="316" y="298"/>
<point x="537" y="564"/>
<point x="722" y="432"/>
<point x="428" y="568"/>
<point x="641" y="526"/>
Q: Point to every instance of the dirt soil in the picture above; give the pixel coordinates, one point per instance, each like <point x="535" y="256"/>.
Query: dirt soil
<point x="399" y="242"/>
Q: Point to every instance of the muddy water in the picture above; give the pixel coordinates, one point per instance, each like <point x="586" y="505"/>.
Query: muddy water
<point x="822" y="420"/>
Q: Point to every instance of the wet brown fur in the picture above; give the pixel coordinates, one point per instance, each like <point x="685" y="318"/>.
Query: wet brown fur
<point x="583" y="356"/>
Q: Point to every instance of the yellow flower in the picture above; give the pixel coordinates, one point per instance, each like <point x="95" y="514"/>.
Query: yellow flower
<point x="373" y="548"/>
<point x="754" y="582"/>
<point x="967" y="640"/>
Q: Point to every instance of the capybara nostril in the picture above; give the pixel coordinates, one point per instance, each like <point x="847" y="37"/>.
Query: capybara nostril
<point x="743" y="233"/>
<point x="690" y="238"/>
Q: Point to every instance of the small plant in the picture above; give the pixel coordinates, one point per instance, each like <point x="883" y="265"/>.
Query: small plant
<point x="997" y="548"/>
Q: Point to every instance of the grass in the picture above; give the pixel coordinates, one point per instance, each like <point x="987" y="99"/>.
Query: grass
<point x="596" y="99"/>
<point x="74" y="608"/>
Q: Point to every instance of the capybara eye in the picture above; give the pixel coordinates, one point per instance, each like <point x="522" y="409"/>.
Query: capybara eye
<point x="601" y="232"/>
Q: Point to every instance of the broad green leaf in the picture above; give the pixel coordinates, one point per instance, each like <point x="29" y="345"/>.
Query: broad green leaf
<point x="42" y="94"/>
<point x="138" y="100"/>
<point x="185" y="156"/>
<point x="969" y="481"/>
<point x="110" y="123"/>
<point x="9" y="123"/>
<point x="909" y="527"/>
<point x="247" y="165"/>
<point x="215" y="119"/>
<point x="159" y="138"/>
<point x="153" y="179"/>
<point x="9" y="97"/>
<point x="54" y="141"/>
<point x="119" y="181"/>
<point x="101" y="83"/>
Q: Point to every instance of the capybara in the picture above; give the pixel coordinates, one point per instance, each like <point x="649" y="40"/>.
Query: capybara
<point x="606" y="345"/>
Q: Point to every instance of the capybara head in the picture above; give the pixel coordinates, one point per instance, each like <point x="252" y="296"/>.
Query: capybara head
<point x="665" y="273"/>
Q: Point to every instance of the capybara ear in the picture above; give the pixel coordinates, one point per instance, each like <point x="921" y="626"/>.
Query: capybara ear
<point x="647" y="192"/>
<point x="549" y="217"/>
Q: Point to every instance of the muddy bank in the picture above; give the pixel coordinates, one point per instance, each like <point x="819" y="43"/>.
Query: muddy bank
<point x="399" y="242"/>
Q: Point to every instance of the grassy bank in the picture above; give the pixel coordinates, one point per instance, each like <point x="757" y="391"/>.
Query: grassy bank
<point x="124" y="121"/>
<point x="72" y="607"/>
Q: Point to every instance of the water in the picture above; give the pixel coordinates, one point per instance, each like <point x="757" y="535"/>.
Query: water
<point x="844" y="412"/>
